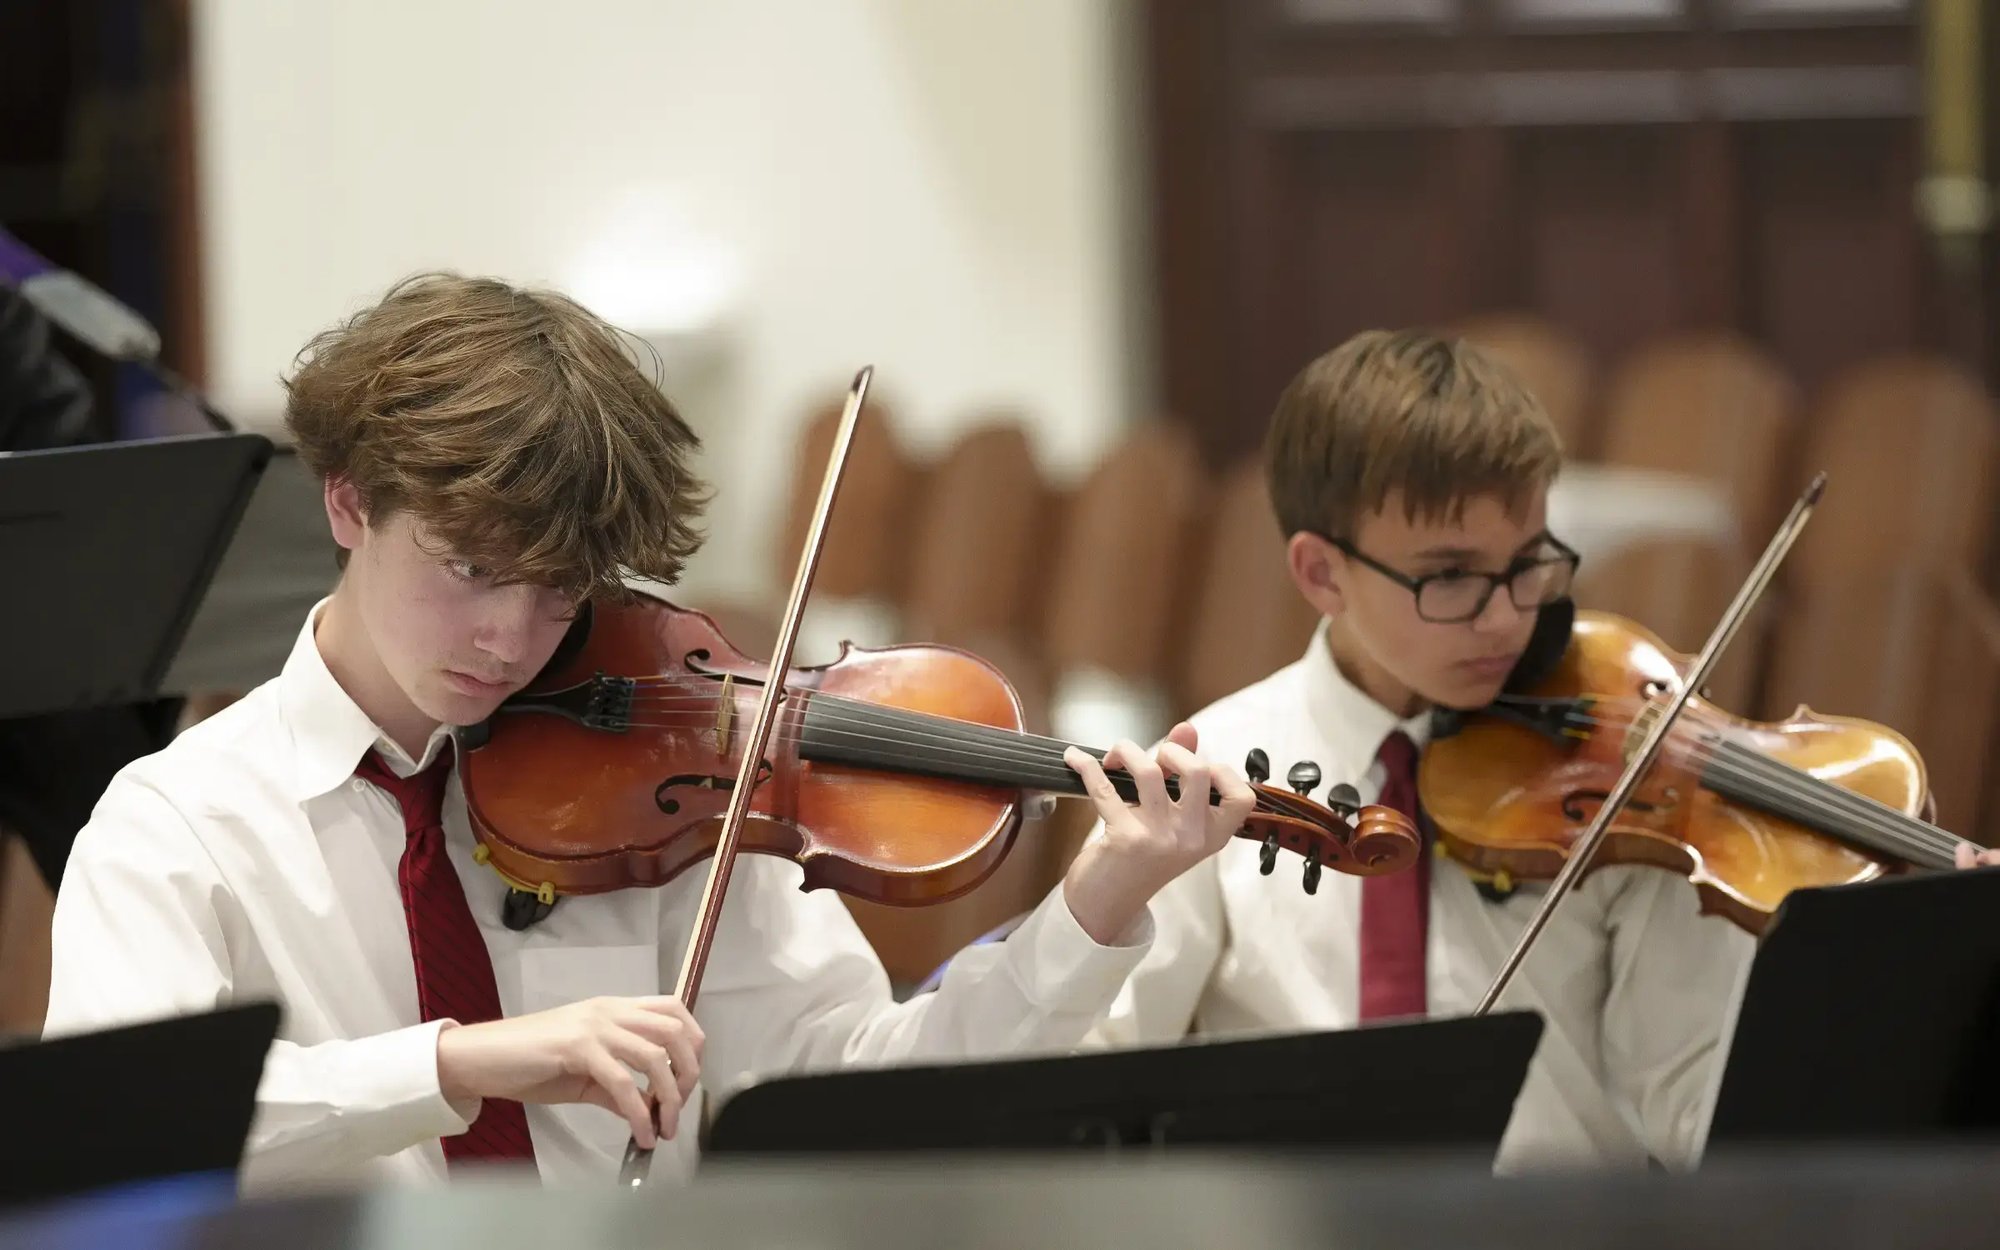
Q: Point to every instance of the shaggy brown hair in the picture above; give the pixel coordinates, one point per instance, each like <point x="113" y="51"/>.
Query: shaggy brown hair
<point x="512" y="424"/>
<point x="1435" y="419"/>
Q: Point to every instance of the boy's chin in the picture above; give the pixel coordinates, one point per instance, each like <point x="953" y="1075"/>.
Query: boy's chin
<point x="1468" y="696"/>
<point x="456" y="709"/>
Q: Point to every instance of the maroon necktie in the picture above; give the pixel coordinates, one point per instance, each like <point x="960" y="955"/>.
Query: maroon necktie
<point x="454" y="970"/>
<point x="1395" y="908"/>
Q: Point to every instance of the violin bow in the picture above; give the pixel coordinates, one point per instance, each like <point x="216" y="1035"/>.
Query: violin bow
<point x="632" y="1172"/>
<point x="1732" y="619"/>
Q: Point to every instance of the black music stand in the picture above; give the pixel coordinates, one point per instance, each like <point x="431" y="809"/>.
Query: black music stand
<point x="146" y="1102"/>
<point x="107" y="551"/>
<point x="1445" y="1086"/>
<point x="1871" y="1015"/>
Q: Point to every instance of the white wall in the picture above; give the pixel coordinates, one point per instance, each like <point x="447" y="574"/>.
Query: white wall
<point x="943" y="188"/>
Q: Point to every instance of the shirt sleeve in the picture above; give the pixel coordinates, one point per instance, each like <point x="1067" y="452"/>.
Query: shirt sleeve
<point x="143" y="929"/>
<point x="1673" y="976"/>
<point x="1157" y="1003"/>
<point x="793" y="985"/>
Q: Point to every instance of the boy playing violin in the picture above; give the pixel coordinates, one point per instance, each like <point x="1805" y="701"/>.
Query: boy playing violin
<point x="491" y="456"/>
<point x="1411" y="477"/>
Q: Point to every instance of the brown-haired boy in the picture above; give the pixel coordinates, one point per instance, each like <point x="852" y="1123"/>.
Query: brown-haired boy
<point x="1410" y="475"/>
<point x="491" y="457"/>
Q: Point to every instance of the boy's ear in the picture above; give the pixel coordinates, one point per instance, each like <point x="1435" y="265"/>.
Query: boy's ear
<point x="1311" y="560"/>
<point x="344" y="514"/>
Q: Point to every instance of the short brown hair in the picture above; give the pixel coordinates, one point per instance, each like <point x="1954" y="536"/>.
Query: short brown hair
<point x="512" y="423"/>
<point x="1434" y="418"/>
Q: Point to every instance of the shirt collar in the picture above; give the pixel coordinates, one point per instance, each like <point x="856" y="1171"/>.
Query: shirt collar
<point x="330" y="732"/>
<point x="1343" y="713"/>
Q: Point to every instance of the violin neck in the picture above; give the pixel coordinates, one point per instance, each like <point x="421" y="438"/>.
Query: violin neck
<point x="1756" y="780"/>
<point x="867" y="735"/>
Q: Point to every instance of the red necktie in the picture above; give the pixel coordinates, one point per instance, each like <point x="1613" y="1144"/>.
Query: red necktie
<point x="1395" y="908"/>
<point x="454" y="970"/>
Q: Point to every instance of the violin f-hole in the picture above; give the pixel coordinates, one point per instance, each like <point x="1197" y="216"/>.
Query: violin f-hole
<point x="1572" y="805"/>
<point x="673" y="796"/>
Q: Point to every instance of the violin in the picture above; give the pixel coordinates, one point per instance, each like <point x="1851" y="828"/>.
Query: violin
<point x="896" y="774"/>
<point x="1747" y="810"/>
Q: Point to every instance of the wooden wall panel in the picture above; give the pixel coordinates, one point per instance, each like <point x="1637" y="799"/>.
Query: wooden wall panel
<point x="1603" y="252"/>
<point x="1833" y="262"/>
<point x="1323" y="167"/>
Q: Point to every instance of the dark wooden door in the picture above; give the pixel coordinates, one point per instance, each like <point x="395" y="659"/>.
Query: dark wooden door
<point x="1624" y="168"/>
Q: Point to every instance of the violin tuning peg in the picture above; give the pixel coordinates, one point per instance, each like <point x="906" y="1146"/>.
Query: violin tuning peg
<point x="1344" y="799"/>
<point x="1267" y="857"/>
<point x="1257" y="766"/>
<point x="1303" y="777"/>
<point x="1312" y="871"/>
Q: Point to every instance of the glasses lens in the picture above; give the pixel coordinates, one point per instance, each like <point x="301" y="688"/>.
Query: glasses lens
<point x="1447" y="599"/>
<point x="1540" y="583"/>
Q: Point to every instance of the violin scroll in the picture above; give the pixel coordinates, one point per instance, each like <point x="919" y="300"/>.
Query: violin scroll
<point x="1341" y="834"/>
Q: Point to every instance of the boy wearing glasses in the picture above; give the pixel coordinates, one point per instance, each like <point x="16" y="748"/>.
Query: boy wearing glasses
<point x="1411" y="476"/>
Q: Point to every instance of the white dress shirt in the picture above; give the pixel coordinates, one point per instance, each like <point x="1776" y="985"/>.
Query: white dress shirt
<point x="244" y="862"/>
<point x="1633" y="982"/>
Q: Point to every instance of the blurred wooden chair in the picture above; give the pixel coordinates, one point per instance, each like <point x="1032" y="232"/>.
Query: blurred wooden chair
<point x="1550" y="363"/>
<point x="1916" y="649"/>
<point x="1959" y="734"/>
<point x="1856" y="646"/>
<point x="27" y="909"/>
<point x="1114" y="581"/>
<point x="1711" y="405"/>
<point x="1246" y="618"/>
<point x="859" y="578"/>
<point x="1679" y="588"/>
<point x="1908" y="444"/>
<point x="979" y="532"/>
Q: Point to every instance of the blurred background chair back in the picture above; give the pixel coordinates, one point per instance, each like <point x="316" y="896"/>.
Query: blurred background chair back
<point x="1245" y="617"/>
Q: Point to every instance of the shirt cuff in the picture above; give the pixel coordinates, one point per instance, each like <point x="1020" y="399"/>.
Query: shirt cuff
<point x="1061" y="965"/>
<point x="393" y="1088"/>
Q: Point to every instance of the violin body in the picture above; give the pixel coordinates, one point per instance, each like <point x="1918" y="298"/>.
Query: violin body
<point x="1742" y="808"/>
<point x="895" y="775"/>
<point x="561" y="802"/>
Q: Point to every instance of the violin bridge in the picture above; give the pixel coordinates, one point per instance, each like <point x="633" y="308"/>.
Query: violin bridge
<point x="1642" y="724"/>
<point x="725" y="713"/>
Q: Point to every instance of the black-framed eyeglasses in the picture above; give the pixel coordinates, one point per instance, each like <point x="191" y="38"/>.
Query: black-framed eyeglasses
<point x="1455" y="596"/>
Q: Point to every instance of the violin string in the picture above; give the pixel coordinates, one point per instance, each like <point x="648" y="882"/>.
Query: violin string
<point x="1032" y="755"/>
<point x="1036" y="771"/>
<point x="1789" y="789"/>
<point x="1785" y="782"/>
<point x="1040" y="767"/>
<point x="818" y="697"/>
<point x="1016" y="744"/>
<point x="1870" y="814"/>
<point x="971" y="744"/>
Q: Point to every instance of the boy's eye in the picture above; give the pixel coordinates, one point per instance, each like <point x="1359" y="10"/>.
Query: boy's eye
<point x="466" y="569"/>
